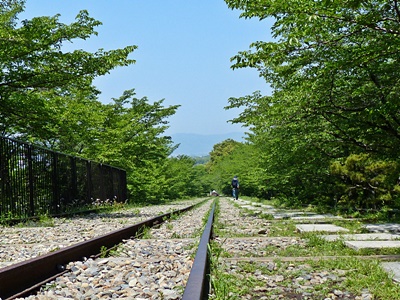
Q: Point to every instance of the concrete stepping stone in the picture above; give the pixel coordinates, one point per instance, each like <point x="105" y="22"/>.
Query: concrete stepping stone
<point x="387" y="227"/>
<point x="361" y="237"/>
<point x="242" y="201"/>
<point x="269" y="211"/>
<point x="393" y="268"/>
<point x="288" y="214"/>
<point x="267" y="206"/>
<point x="358" y="245"/>
<point x="255" y="210"/>
<point x="247" y="206"/>
<point x="316" y="217"/>
<point x="320" y="228"/>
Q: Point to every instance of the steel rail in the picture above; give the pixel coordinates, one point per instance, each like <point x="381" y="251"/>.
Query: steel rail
<point x="197" y="286"/>
<point x="22" y="278"/>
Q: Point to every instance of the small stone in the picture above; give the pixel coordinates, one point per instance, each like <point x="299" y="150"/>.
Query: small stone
<point x="132" y="282"/>
<point x="271" y="266"/>
<point x="103" y="261"/>
<point x="338" y="293"/>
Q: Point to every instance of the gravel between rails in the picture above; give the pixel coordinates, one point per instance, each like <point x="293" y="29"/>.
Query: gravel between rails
<point x="28" y="241"/>
<point x="245" y="235"/>
<point x="153" y="268"/>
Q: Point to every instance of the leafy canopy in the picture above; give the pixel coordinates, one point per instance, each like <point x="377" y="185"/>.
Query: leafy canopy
<point x="333" y="69"/>
<point x="34" y="66"/>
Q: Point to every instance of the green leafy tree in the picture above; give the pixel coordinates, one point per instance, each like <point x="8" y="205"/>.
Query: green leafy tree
<point x="132" y="137"/>
<point x="47" y="97"/>
<point x="219" y="151"/>
<point x="366" y="183"/>
<point x="332" y="67"/>
<point x="219" y="175"/>
<point x="336" y="58"/>
<point x="184" y="178"/>
<point x="230" y="158"/>
<point x="289" y="160"/>
<point x="35" y="67"/>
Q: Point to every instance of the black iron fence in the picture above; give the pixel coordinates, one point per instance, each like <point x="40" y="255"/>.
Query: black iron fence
<point x="35" y="181"/>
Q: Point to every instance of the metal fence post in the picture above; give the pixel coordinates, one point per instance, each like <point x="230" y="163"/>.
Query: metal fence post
<point x="31" y="211"/>
<point x="54" y="183"/>
<point x="74" y="181"/>
<point x="89" y="181"/>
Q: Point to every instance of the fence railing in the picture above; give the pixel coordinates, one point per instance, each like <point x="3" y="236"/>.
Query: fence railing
<point x="35" y="181"/>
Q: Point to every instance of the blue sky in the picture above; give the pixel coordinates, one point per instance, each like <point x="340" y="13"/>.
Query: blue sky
<point x="183" y="55"/>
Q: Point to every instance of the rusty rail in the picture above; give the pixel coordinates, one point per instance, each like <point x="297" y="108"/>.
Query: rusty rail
<point x="22" y="278"/>
<point x="198" y="285"/>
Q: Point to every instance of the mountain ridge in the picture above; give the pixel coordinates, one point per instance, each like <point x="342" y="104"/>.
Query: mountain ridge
<point x="194" y="144"/>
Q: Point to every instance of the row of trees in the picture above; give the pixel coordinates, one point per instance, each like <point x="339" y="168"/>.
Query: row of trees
<point x="47" y="97"/>
<point x="329" y="134"/>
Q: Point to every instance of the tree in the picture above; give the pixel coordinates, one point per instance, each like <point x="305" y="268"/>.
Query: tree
<point x="366" y="183"/>
<point x="221" y="150"/>
<point x="183" y="178"/>
<point x="230" y="158"/>
<point x="338" y="59"/>
<point x="47" y="97"/>
<point x="35" y="67"/>
<point x="131" y="137"/>
<point x="289" y="158"/>
<point x="335" y="89"/>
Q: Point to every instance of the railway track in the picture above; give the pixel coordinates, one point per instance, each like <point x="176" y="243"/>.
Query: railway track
<point x="252" y="257"/>
<point x="21" y="279"/>
<point x="31" y="239"/>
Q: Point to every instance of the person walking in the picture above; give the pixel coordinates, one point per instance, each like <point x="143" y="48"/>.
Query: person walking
<point x="235" y="187"/>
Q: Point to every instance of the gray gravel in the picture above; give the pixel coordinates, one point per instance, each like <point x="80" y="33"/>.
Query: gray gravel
<point x="155" y="268"/>
<point x="158" y="267"/>
<point x="22" y="243"/>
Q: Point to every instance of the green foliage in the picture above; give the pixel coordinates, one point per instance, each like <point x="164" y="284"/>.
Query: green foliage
<point x="332" y="68"/>
<point x="47" y="97"/>
<point x="230" y="158"/>
<point x="364" y="182"/>
<point x="104" y="251"/>
<point x="183" y="178"/>
<point x="220" y="151"/>
<point x="35" y="69"/>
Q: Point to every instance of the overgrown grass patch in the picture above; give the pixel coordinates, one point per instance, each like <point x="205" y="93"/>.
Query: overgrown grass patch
<point x="321" y="279"/>
<point x="363" y="274"/>
<point x="283" y="228"/>
<point x="315" y="245"/>
<point x="354" y="226"/>
<point x="330" y="268"/>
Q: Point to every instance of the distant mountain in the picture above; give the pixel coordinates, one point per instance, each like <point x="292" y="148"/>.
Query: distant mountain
<point x="198" y="144"/>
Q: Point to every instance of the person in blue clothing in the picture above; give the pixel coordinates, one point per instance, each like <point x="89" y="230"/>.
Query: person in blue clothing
<point x="235" y="187"/>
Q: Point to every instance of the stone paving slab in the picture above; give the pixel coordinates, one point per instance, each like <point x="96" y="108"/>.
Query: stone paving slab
<point x="361" y="237"/>
<point x="267" y="206"/>
<point x="393" y="268"/>
<point x="358" y="245"/>
<point x="269" y="211"/>
<point x="324" y="216"/>
<point x="247" y="206"/>
<point x="242" y="201"/>
<point x="305" y="217"/>
<point x="320" y="228"/>
<point x="288" y="214"/>
<point x="387" y="227"/>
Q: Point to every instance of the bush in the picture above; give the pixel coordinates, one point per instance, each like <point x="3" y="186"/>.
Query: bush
<point x="366" y="183"/>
